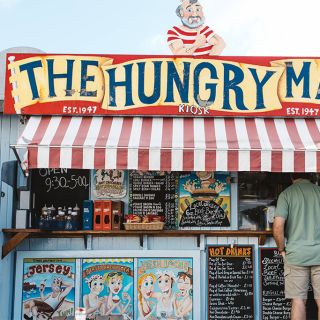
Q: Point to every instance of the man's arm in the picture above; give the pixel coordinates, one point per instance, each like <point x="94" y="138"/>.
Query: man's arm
<point x="178" y="48"/>
<point x="218" y="45"/>
<point x="66" y="291"/>
<point x="278" y="233"/>
<point x="42" y="296"/>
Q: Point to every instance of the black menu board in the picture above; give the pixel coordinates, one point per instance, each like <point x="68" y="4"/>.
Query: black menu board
<point x="230" y="282"/>
<point x="154" y="192"/>
<point x="59" y="187"/>
<point x="274" y="306"/>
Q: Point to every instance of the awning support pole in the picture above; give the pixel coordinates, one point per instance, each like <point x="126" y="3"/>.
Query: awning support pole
<point x="25" y="173"/>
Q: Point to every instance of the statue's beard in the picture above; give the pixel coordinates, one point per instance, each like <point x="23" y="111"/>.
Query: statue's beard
<point x="193" y="22"/>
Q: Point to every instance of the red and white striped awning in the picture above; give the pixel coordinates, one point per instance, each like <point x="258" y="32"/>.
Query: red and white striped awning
<point x="173" y="144"/>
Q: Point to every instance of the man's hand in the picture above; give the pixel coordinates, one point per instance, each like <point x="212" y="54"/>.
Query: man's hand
<point x="201" y="40"/>
<point x="218" y="45"/>
<point x="278" y="234"/>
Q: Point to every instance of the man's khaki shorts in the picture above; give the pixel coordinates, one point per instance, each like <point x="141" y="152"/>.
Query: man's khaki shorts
<point x="297" y="281"/>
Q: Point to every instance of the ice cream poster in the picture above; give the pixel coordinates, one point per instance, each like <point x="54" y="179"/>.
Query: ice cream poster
<point x="107" y="287"/>
<point x="109" y="184"/>
<point x="165" y="288"/>
<point x="48" y="288"/>
<point x="204" y="199"/>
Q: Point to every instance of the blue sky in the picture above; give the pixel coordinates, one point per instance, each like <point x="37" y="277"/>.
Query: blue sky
<point x="249" y="27"/>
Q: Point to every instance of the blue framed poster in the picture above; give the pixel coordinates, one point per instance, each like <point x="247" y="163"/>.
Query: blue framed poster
<point x="165" y="288"/>
<point x="107" y="287"/>
<point x="48" y="288"/>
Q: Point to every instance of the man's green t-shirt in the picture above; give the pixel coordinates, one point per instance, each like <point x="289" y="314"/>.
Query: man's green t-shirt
<point x="299" y="204"/>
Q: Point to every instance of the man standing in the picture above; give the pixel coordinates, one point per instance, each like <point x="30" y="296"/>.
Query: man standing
<point x="297" y="218"/>
<point x="193" y="37"/>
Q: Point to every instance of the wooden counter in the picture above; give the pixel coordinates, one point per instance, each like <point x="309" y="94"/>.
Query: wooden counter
<point x="16" y="236"/>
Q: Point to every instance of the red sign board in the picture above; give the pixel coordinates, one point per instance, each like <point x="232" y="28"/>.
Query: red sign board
<point x="162" y="85"/>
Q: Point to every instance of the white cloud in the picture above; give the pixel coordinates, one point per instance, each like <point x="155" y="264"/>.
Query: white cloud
<point x="253" y="27"/>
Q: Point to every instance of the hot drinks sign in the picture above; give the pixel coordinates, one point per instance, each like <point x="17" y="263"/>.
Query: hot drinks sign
<point x="162" y="85"/>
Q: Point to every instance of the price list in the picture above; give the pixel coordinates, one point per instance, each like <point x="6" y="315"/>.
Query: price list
<point x="153" y="192"/>
<point x="230" y="282"/>
<point x="274" y="306"/>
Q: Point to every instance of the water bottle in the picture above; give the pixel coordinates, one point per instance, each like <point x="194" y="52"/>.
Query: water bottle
<point x="74" y="220"/>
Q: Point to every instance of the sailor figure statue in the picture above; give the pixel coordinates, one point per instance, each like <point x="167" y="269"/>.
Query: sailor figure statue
<point x="193" y="37"/>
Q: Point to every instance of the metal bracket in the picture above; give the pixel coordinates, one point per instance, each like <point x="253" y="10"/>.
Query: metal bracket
<point x="203" y="242"/>
<point x="145" y="242"/>
<point x="88" y="241"/>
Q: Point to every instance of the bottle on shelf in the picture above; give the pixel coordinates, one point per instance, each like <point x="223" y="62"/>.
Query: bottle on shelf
<point x="74" y="220"/>
<point x="87" y="215"/>
<point x="68" y="225"/>
<point x="61" y="219"/>
<point x="77" y="210"/>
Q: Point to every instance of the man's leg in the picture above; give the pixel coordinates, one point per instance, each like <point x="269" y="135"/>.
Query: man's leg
<point x="296" y="288"/>
<point x="318" y="304"/>
<point x="298" y="309"/>
<point x="315" y="280"/>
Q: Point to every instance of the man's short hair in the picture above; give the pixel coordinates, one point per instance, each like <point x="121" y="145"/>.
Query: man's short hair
<point x="179" y="9"/>
<point x="301" y="175"/>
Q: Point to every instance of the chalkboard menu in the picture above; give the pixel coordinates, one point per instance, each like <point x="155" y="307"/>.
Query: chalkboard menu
<point x="154" y="192"/>
<point x="204" y="214"/>
<point x="59" y="187"/>
<point x="204" y="199"/>
<point x="274" y="306"/>
<point x="230" y="282"/>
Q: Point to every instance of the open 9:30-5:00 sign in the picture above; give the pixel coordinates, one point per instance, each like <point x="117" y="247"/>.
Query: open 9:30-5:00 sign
<point x="54" y="183"/>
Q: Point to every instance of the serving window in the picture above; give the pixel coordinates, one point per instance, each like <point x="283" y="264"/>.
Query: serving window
<point x="258" y="194"/>
<point x="196" y="199"/>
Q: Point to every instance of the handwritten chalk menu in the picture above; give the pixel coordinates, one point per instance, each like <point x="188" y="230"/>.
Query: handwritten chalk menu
<point x="204" y="214"/>
<point x="60" y="187"/>
<point x="274" y="306"/>
<point x="230" y="282"/>
<point x="154" y="192"/>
